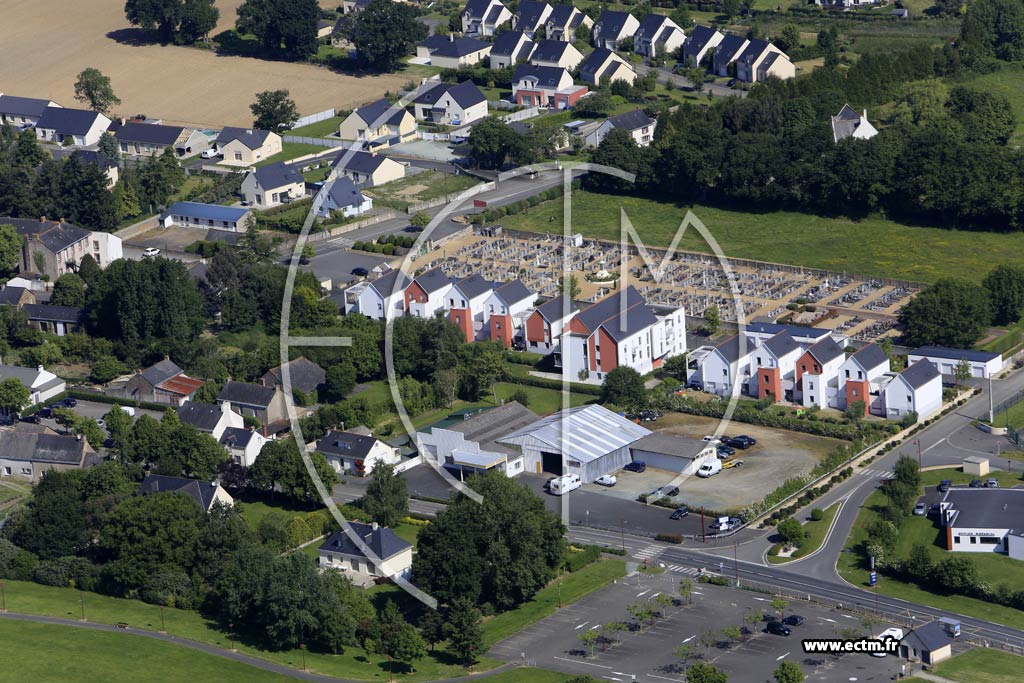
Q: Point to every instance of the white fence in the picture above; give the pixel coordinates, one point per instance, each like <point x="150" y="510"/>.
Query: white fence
<point x="315" y="118"/>
<point x="527" y="113"/>
<point x="355" y="225"/>
<point x="321" y="142"/>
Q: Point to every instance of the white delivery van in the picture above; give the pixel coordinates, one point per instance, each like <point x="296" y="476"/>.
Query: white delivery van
<point x="563" y="484"/>
<point x="129" y="410"/>
<point x="710" y="468"/>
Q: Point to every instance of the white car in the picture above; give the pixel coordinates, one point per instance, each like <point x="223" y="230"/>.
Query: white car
<point x="711" y="439"/>
<point x="894" y="633"/>
<point x="606" y="480"/>
<point x="150" y="251"/>
<point x="211" y="153"/>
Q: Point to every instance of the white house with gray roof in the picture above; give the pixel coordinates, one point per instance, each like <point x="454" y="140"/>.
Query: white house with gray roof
<point x="23" y="112"/>
<point x="451" y="104"/>
<point x="266" y="404"/>
<point x="379" y="123"/>
<point x="243" y="444"/>
<point x="849" y="124"/>
<point x="389" y="556"/>
<point x="367" y="169"/>
<point x="506" y="310"/>
<point x="658" y="36"/>
<point x="699" y="44"/>
<point x="42" y="384"/>
<point x="637" y="123"/>
<point x="602" y="66"/>
<point x="341" y="196"/>
<point x="456" y="53"/>
<point x="817" y="373"/>
<point x="427" y="294"/>
<point x="383" y="298"/>
<point x="563" y="22"/>
<point x="611" y="28"/>
<point x="210" y="419"/>
<point x="915" y="390"/>
<point x="268" y="186"/>
<point x="483" y="17"/>
<point x="556" y="53"/>
<point x="355" y="453"/>
<point x="510" y="47"/>
<point x="66" y="126"/>
<point x="980" y="364"/>
<point x="983" y="520"/>
<point x="530" y="16"/>
<point x="466" y="303"/>
<point x="206" y="494"/>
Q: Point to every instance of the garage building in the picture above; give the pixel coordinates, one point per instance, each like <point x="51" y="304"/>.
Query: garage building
<point x="673" y="453"/>
<point x="589" y="441"/>
<point x="469" y="447"/>
<point x="984" y="364"/>
<point x="984" y="520"/>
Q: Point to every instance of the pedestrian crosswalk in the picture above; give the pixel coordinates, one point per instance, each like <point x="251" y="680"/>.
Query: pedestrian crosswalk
<point x="689" y="571"/>
<point x="877" y="474"/>
<point x="648" y="552"/>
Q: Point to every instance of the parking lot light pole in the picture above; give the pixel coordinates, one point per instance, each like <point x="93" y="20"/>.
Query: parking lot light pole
<point x="736" y="562"/>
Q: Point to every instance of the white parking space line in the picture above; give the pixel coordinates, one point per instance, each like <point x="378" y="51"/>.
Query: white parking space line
<point x="576" y="661"/>
<point x="643" y="593"/>
<point x="779" y="659"/>
<point x="581" y="626"/>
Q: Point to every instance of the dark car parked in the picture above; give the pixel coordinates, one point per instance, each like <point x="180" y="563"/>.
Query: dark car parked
<point x="778" y="628"/>
<point x="944" y="485"/>
<point x="34" y="419"/>
<point x="360" y="271"/>
<point x="793" y="620"/>
<point x="69" y="402"/>
<point x="636" y="466"/>
<point x="977" y="483"/>
<point x="46" y="412"/>
<point x="725" y="451"/>
<point x="679" y="512"/>
<point x="674" y="491"/>
<point x="742" y="441"/>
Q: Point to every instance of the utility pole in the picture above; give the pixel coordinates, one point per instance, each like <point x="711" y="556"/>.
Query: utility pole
<point x="736" y="562"/>
<point x="919" y="465"/>
<point x="991" y="414"/>
<point x="622" y="528"/>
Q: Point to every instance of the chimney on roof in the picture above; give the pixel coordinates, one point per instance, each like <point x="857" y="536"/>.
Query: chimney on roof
<point x="451" y="37"/>
<point x="248" y="131"/>
<point x="374" y="526"/>
<point x="865" y="116"/>
<point x="39" y="368"/>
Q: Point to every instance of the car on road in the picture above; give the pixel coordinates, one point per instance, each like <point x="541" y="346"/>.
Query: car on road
<point x="710" y="438"/>
<point x="360" y="271"/>
<point x="992" y="484"/>
<point x="976" y="483"/>
<point x="636" y="466"/>
<point x="69" y="402"/>
<point x="606" y="480"/>
<point x="944" y="485"/>
<point x="894" y="633"/>
<point x="33" y="419"/>
<point x="45" y="413"/>
<point x="150" y="251"/>
<point x="725" y="451"/>
<point x="793" y="620"/>
<point x="721" y="524"/>
<point x="679" y="512"/>
<point x="920" y="509"/>
<point x="211" y="153"/>
<point x="742" y="441"/>
<point x="412" y="228"/>
<point x="778" y="628"/>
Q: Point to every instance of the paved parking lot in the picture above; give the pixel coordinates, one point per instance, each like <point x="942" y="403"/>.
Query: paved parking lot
<point x="646" y="655"/>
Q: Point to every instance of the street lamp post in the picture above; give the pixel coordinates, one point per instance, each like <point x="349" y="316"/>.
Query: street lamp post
<point x="231" y="635"/>
<point x="919" y="465"/>
<point x="3" y="598"/>
<point x="163" y="629"/>
<point x="622" y="529"/>
<point x="302" y="646"/>
<point x="81" y="601"/>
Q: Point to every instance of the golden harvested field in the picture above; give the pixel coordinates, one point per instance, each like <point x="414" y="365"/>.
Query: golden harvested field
<point x="47" y="42"/>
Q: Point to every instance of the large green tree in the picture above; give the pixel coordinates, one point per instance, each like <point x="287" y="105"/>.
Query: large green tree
<point x="13" y="395"/>
<point x="993" y="28"/>
<point x="284" y="27"/>
<point x="462" y="627"/>
<point x="10" y="249"/>
<point x="384" y="32"/>
<point x="280" y="466"/>
<point x="492" y="143"/>
<point x="1005" y="285"/>
<point x="386" y="500"/>
<point x="623" y="387"/>
<point x="951" y="313"/>
<point x="94" y="89"/>
<point x="500" y="551"/>
<point x="273" y="110"/>
<point x="68" y="290"/>
<point x="186" y="20"/>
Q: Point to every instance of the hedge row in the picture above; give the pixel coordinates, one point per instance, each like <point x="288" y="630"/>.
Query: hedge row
<point x="544" y="383"/>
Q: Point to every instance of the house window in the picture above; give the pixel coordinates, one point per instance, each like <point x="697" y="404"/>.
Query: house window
<point x="259" y="199"/>
<point x="7" y="471"/>
<point x="973" y="540"/>
<point x="956" y="539"/>
<point x="847" y="374"/>
<point x="803" y="367"/>
<point x="910" y="399"/>
<point x="95" y="245"/>
<point x="855" y="393"/>
<point x="812" y="399"/>
<point x="273" y="197"/>
<point x="238" y="156"/>
<point x="26" y="470"/>
<point x="811" y="387"/>
<point x="759" y="361"/>
<point x="725" y="373"/>
<point x="860" y="375"/>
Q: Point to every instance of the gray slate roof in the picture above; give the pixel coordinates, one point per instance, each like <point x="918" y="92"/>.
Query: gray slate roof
<point x="26" y="376"/>
<point x="729" y="49"/>
<point x="345" y="444"/>
<point x="547" y="76"/>
<point x="826" y="350"/>
<point x="870" y="356"/>
<point x="550" y="50"/>
<point x="433" y="280"/>
<point x="465" y="94"/>
<point x="955" y="354"/>
<point x="630" y="322"/>
<point x="594" y="61"/>
<point x="53" y="235"/>
<point x="782" y="344"/>
<point x="611" y="24"/>
<point x="473" y="286"/>
<point x="753" y="51"/>
<point x="513" y="291"/>
<point x="385" y="284"/>
<point x="147" y="133"/>
<point x="67" y="121"/>
<point x="343" y="192"/>
<point x="161" y="372"/>
<point x="987" y="508"/>
<point x="920" y="373"/>
<point x="698" y="38"/>
<point x="202" y="492"/>
<point x="795" y="330"/>
<point x="928" y="638"/>
<point x="246" y="394"/>
<point x="23" y="106"/>
<point x="277" y="175"/>
<point x="62" y="314"/>
<point x="202" y="416"/>
<point x="89" y="156"/>
<point x="252" y="138"/>
<point x="382" y="542"/>
<point x="11" y="296"/>
<point x="475" y="8"/>
<point x="376" y="113"/>
<point x="362" y="162"/>
<point x="459" y="47"/>
<point x="506" y="43"/>
<point x="553" y="309"/>
<point x="608" y="308"/>
<point x="42" y="447"/>
<point x="631" y="120"/>
<point x="529" y="14"/>
<point x="236" y="437"/>
<point x="305" y="375"/>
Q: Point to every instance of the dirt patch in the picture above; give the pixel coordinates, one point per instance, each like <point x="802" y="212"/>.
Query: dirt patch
<point x="412" y="190"/>
<point x="779" y="455"/>
<point x="47" y="42"/>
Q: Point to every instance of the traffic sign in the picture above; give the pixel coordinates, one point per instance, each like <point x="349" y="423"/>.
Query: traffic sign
<point x="873" y="578"/>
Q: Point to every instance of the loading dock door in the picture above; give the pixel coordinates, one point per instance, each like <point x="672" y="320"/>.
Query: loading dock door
<point x="552" y="462"/>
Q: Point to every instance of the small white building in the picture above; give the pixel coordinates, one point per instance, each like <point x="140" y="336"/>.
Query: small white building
<point x="673" y="453"/>
<point x="389" y="556"/>
<point x="605" y="66"/>
<point x="637" y="123"/>
<point x="244" y="444"/>
<point x="383" y="298"/>
<point x="849" y="124"/>
<point x="42" y="384"/>
<point x="982" y="364"/>
<point x="817" y="373"/>
<point x="530" y="16"/>
<point x="456" y="53"/>
<point x="774" y="365"/>
<point x="66" y="126"/>
<point x="510" y="47"/>
<point x="701" y="41"/>
<point x="611" y="28"/>
<point x="556" y="53"/>
<point x="451" y="104"/>
<point x="466" y="302"/>
<point x="22" y="112"/>
<point x="210" y="419"/>
<point x="564" y="21"/>
<point x="206" y="216"/>
<point x="247" y="146"/>
<point x="917" y="389"/>
<point x="658" y="36"/>
<point x="482" y="17"/>
<point x="355" y="453"/>
<point x="984" y="520"/>
<point x="715" y="369"/>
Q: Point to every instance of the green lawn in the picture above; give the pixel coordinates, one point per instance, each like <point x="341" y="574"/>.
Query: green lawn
<point x="354" y="663"/>
<point x="47" y="652"/>
<point x="982" y="666"/>
<point x="573" y="587"/>
<point x="1009" y="82"/>
<point x="1014" y="415"/>
<point x="420" y="187"/>
<point x="291" y="150"/>
<point x="872" y="247"/>
<point x="320" y="129"/>
<point x="816" y="536"/>
<point x="253" y="512"/>
<point x="408" y="532"/>
<point x="992" y="568"/>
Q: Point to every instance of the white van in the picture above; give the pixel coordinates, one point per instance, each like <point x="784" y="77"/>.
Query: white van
<point x="710" y="468"/>
<point x="129" y="410"/>
<point x="563" y="484"/>
<point x="894" y="633"/>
